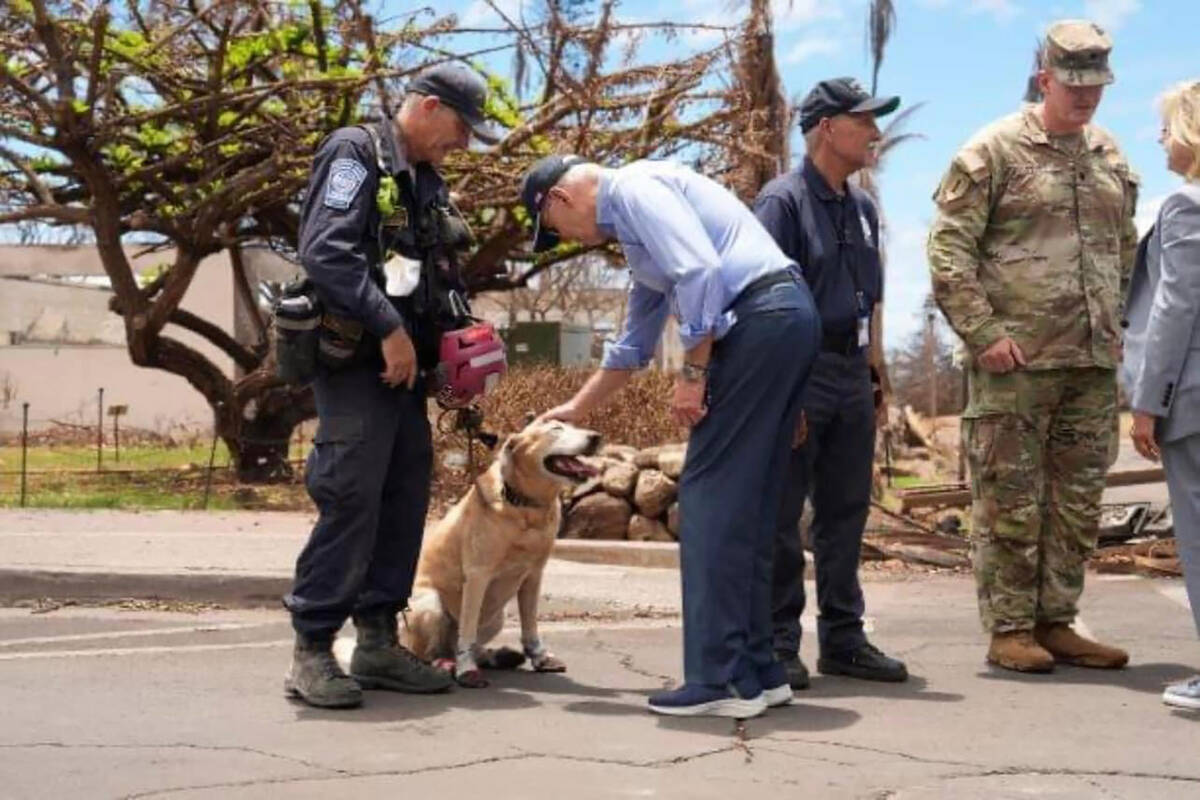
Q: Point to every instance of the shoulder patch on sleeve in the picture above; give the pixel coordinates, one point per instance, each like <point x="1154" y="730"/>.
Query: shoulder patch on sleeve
<point x="346" y="177"/>
<point x="967" y="170"/>
<point x="973" y="164"/>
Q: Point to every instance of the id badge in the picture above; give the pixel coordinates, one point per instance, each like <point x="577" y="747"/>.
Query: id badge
<point x="864" y="323"/>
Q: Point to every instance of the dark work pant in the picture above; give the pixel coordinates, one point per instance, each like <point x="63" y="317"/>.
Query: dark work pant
<point x="368" y="474"/>
<point x="730" y="486"/>
<point x="833" y="470"/>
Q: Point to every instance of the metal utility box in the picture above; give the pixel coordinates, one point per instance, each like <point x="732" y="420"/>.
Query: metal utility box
<point x="559" y="343"/>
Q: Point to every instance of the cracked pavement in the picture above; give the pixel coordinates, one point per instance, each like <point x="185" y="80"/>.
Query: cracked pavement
<point x="107" y="703"/>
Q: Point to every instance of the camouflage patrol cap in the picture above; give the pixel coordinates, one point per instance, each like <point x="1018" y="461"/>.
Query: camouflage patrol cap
<point x="1076" y="51"/>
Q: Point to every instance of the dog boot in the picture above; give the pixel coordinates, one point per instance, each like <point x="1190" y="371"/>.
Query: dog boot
<point x="1016" y="650"/>
<point x="381" y="662"/>
<point x="541" y="659"/>
<point x="466" y="669"/>
<point x="1068" y="647"/>
<point x="316" y="678"/>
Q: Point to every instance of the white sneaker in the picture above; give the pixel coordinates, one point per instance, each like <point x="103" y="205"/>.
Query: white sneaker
<point x="781" y="695"/>
<point x="694" y="701"/>
<point x="1183" y="695"/>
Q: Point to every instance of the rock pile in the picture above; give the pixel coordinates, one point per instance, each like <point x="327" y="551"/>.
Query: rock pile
<point x="633" y="497"/>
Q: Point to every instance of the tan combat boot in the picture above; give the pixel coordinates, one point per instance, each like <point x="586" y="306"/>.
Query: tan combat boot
<point x="1068" y="647"/>
<point x="1018" y="651"/>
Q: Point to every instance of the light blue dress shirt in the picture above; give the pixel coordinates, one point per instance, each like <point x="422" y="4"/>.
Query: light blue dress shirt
<point x="691" y="246"/>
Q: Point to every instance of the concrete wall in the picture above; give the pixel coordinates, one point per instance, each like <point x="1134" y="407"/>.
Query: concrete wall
<point x="60" y="383"/>
<point x="75" y="345"/>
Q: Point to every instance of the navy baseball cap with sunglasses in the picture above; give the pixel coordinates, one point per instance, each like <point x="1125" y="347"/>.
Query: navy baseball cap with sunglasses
<point x="535" y="188"/>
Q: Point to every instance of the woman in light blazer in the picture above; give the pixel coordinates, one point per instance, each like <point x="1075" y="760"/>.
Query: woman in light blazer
<point x="1162" y="346"/>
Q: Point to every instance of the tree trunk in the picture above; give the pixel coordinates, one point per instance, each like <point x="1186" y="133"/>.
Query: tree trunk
<point x="260" y="447"/>
<point x="257" y="428"/>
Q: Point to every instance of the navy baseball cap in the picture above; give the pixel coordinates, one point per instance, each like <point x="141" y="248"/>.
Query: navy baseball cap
<point x="462" y="89"/>
<point x="536" y="185"/>
<point x="841" y="96"/>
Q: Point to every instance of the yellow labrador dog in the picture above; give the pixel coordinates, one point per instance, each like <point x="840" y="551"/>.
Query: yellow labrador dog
<point x="491" y="547"/>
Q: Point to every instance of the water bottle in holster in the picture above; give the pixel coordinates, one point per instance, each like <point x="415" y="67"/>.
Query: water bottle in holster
<point x="296" y="319"/>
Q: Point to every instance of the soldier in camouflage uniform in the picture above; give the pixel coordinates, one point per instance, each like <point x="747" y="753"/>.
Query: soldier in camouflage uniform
<point x="1030" y="255"/>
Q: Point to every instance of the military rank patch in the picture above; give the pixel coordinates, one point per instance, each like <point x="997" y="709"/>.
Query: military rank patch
<point x="345" y="177"/>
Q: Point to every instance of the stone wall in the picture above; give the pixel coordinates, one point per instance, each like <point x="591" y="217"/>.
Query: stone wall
<point x="634" y="496"/>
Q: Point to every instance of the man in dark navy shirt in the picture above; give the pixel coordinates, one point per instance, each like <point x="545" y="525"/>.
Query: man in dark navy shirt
<point x="830" y="228"/>
<point x="374" y="189"/>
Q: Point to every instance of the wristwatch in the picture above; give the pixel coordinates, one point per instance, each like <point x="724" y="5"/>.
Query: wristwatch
<point x="693" y="373"/>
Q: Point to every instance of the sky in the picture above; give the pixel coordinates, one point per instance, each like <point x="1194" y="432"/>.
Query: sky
<point x="967" y="62"/>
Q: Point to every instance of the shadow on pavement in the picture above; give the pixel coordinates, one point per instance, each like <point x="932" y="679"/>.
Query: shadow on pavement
<point x="383" y="706"/>
<point x="915" y="688"/>
<point x="797" y="717"/>
<point x="1150" y="678"/>
<point x="552" y="683"/>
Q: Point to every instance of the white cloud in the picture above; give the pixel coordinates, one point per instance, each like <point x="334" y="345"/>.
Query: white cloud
<point x="1148" y="212"/>
<point x="1001" y="10"/>
<point x="790" y="14"/>
<point x="907" y="281"/>
<point x="480" y="14"/>
<point x="1110" y="14"/>
<point x="811" y="46"/>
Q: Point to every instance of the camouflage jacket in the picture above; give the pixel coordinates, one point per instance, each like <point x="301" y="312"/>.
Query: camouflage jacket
<point x="1034" y="239"/>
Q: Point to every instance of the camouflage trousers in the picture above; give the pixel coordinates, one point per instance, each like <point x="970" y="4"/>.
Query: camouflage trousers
<point x="1039" y="444"/>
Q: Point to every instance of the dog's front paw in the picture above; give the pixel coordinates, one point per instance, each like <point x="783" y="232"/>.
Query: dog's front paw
<point x="468" y="674"/>
<point x="471" y="679"/>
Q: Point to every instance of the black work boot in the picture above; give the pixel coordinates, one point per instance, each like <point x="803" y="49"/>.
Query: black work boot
<point x="796" y="671"/>
<point x="316" y="678"/>
<point x="381" y="662"/>
<point x="866" y="662"/>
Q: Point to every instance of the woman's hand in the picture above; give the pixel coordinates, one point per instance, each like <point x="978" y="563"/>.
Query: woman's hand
<point x="1142" y="435"/>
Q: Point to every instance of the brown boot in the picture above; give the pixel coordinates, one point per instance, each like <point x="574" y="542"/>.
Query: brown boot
<point x="1018" y="651"/>
<point x="1068" y="647"/>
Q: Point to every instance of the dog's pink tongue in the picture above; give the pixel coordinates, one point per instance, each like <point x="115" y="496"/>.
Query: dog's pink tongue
<point x="572" y="466"/>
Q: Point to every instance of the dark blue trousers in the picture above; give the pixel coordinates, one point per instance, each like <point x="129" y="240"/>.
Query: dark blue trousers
<point x="833" y="470"/>
<point x="729" y="491"/>
<point x="368" y="474"/>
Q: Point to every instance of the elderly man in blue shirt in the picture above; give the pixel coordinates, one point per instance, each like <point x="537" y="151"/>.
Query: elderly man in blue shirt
<point x="750" y="332"/>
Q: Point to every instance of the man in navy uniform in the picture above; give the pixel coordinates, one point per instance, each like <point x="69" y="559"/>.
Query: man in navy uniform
<point x="373" y="189"/>
<point x="830" y="228"/>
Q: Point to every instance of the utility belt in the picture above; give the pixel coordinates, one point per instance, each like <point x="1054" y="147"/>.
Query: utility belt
<point x="307" y="336"/>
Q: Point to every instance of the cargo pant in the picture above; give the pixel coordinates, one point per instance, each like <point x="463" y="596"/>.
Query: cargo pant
<point x="368" y="474"/>
<point x="1039" y="444"/>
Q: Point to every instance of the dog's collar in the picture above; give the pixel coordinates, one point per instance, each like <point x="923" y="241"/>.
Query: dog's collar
<point x="515" y="498"/>
<point x="509" y="495"/>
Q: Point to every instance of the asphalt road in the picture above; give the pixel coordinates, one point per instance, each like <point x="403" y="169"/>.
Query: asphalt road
<point x="109" y="703"/>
